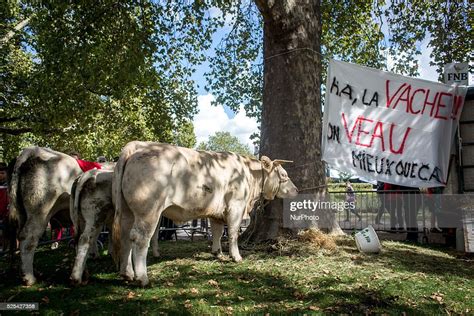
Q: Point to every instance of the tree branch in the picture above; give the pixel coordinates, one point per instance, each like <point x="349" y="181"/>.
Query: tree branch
<point x="11" y="119"/>
<point x="263" y="7"/>
<point x="15" y="131"/>
<point x="23" y="130"/>
<point x="17" y="28"/>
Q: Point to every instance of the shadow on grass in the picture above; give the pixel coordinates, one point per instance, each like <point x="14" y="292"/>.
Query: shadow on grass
<point x="432" y="260"/>
<point x="188" y="280"/>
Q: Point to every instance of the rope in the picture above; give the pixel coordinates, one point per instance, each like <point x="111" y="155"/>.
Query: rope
<point x="260" y="206"/>
<point x="294" y="50"/>
<point x="258" y="209"/>
<point x="262" y="203"/>
<point x="302" y="165"/>
<point x="312" y="188"/>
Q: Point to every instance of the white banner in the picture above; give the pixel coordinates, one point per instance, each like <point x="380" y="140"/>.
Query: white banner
<point x="387" y="127"/>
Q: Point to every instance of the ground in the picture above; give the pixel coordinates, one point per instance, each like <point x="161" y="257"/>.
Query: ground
<point x="189" y="280"/>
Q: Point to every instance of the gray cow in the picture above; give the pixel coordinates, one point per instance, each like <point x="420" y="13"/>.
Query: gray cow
<point x="91" y="208"/>
<point x="154" y="179"/>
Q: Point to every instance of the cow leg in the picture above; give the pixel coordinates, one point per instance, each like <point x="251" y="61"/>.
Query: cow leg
<point x="154" y="242"/>
<point x="94" y="249"/>
<point x="217" y="228"/>
<point x="126" y="267"/>
<point x="110" y="245"/>
<point x="233" y="222"/>
<point x="29" y="237"/>
<point x="86" y="241"/>
<point x="140" y="235"/>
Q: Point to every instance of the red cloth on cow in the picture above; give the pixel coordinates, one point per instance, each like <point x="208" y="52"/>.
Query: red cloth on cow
<point x="3" y="203"/>
<point x="88" y="165"/>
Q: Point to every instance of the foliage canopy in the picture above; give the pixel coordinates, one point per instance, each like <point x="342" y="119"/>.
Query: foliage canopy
<point x="387" y="35"/>
<point x="90" y="76"/>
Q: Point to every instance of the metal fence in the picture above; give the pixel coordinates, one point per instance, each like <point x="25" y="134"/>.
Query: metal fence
<point x="389" y="211"/>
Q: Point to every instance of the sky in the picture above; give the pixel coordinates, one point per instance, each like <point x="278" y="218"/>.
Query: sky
<point x="211" y="119"/>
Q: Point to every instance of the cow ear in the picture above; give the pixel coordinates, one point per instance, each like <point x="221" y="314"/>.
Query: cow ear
<point x="266" y="163"/>
<point x="278" y="162"/>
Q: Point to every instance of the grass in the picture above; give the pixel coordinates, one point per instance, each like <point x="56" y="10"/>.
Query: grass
<point x="281" y="278"/>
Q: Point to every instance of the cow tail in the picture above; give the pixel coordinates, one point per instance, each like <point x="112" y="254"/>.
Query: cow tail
<point x="11" y="229"/>
<point x="74" y="209"/>
<point x="17" y="212"/>
<point x="75" y="202"/>
<point x="119" y="201"/>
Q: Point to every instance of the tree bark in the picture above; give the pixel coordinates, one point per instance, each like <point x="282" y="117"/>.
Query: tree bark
<point x="291" y="115"/>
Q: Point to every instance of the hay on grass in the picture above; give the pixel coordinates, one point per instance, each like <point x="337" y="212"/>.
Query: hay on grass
<point x="306" y="242"/>
<point x="317" y="239"/>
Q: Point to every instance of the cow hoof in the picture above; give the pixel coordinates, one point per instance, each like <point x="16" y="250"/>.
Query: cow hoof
<point x="85" y="275"/>
<point x="143" y="282"/>
<point x="220" y="256"/>
<point x="75" y="282"/>
<point x="237" y="258"/>
<point x="127" y="277"/>
<point x="29" y="280"/>
<point x="217" y="253"/>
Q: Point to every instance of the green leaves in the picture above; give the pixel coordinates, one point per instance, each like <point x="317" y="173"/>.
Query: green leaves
<point x="184" y="136"/>
<point x="91" y="76"/>
<point x="443" y="24"/>
<point x="94" y="75"/>
<point x="379" y="34"/>
<point x="236" y="71"/>
<point x="224" y="141"/>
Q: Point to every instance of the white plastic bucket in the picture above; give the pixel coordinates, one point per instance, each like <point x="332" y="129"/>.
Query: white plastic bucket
<point x="367" y="240"/>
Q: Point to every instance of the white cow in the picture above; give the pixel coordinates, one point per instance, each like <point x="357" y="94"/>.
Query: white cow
<point x="153" y="179"/>
<point x="91" y="208"/>
<point x="39" y="189"/>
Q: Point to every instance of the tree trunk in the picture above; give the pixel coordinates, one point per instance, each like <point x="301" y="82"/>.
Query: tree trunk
<point x="291" y="116"/>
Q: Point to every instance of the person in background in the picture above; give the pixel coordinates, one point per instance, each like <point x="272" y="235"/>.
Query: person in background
<point x="394" y="205"/>
<point x="381" y="196"/>
<point x="3" y="206"/>
<point x="57" y="233"/>
<point x="411" y="204"/>
<point x="351" y="199"/>
<point x="56" y="225"/>
<point x="433" y="201"/>
<point x="3" y="174"/>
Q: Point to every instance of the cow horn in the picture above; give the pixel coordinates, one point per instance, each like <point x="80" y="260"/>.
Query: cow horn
<point x="282" y="161"/>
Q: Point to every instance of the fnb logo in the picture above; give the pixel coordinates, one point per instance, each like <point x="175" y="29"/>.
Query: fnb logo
<point x="457" y="77"/>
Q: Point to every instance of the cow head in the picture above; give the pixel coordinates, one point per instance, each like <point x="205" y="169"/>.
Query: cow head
<point x="276" y="180"/>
